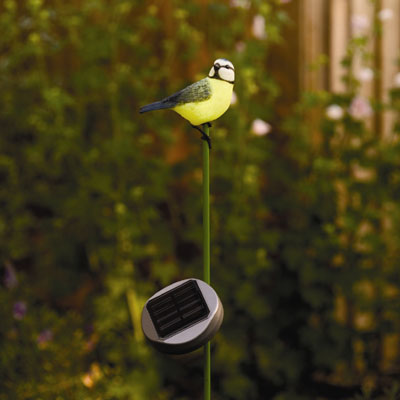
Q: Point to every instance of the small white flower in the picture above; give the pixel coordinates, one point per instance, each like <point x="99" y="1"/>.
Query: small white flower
<point x="260" y="127"/>
<point x="360" y="108"/>
<point x="396" y="80"/>
<point x="359" y="23"/>
<point x="234" y="98"/>
<point x="334" y="112"/>
<point x="365" y="74"/>
<point x="385" y="14"/>
<point x="240" y="3"/>
<point x="258" y="27"/>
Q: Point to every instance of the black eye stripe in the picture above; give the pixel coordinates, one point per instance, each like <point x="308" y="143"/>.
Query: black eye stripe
<point x="224" y="66"/>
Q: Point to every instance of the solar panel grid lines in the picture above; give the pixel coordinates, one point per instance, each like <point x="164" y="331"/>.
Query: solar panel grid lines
<point x="178" y="309"/>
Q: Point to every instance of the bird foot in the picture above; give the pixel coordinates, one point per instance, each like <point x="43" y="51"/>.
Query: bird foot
<point x="204" y="135"/>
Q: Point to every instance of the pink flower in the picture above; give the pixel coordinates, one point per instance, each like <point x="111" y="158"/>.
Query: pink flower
<point x="360" y="108"/>
<point x="19" y="310"/>
<point x="44" y="337"/>
<point x="240" y="47"/>
<point x="260" y="127"/>
<point x="258" y="27"/>
<point x="359" y="23"/>
<point x="234" y="98"/>
<point x="365" y="74"/>
<point x="10" y="276"/>
<point x="396" y="80"/>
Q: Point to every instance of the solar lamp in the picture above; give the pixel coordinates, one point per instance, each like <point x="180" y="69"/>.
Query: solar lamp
<point x="182" y="317"/>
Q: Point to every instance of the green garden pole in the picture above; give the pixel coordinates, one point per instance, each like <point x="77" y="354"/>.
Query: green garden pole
<point x="206" y="253"/>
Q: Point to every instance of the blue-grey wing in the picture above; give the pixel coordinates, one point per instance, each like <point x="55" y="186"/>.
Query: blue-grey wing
<point x="198" y="91"/>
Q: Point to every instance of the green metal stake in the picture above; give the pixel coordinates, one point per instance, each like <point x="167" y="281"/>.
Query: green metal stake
<point x="206" y="253"/>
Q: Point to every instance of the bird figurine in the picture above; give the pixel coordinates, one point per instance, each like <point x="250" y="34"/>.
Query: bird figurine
<point x="204" y="101"/>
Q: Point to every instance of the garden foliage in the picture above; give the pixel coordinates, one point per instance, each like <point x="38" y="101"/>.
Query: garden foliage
<point x="101" y="207"/>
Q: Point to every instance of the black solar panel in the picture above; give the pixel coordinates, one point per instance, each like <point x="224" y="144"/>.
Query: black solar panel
<point x="178" y="308"/>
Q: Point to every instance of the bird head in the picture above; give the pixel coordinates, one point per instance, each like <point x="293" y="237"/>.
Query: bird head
<point x="223" y="69"/>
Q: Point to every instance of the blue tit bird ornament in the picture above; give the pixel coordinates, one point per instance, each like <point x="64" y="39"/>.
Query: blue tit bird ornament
<point x="204" y="101"/>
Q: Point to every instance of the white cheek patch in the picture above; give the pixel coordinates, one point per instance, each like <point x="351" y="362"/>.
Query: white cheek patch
<point x="227" y="74"/>
<point x="212" y="72"/>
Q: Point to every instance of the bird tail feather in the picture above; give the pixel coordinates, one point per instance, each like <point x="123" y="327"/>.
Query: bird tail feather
<point x="158" y="105"/>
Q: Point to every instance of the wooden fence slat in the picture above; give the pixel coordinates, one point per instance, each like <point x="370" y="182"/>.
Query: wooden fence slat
<point x="390" y="46"/>
<point x="312" y="44"/>
<point x="339" y="36"/>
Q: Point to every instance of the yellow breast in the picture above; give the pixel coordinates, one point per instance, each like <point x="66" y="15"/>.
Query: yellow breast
<point x="198" y="113"/>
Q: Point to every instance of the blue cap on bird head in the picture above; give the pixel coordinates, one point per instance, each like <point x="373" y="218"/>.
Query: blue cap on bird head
<point x="223" y="69"/>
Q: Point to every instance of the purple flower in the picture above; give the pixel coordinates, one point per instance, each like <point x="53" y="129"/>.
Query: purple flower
<point x="19" y="310"/>
<point x="360" y="108"/>
<point x="10" y="276"/>
<point x="44" y="337"/>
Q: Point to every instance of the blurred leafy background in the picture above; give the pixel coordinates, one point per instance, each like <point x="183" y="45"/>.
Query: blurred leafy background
<point x="101" y="207"/>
